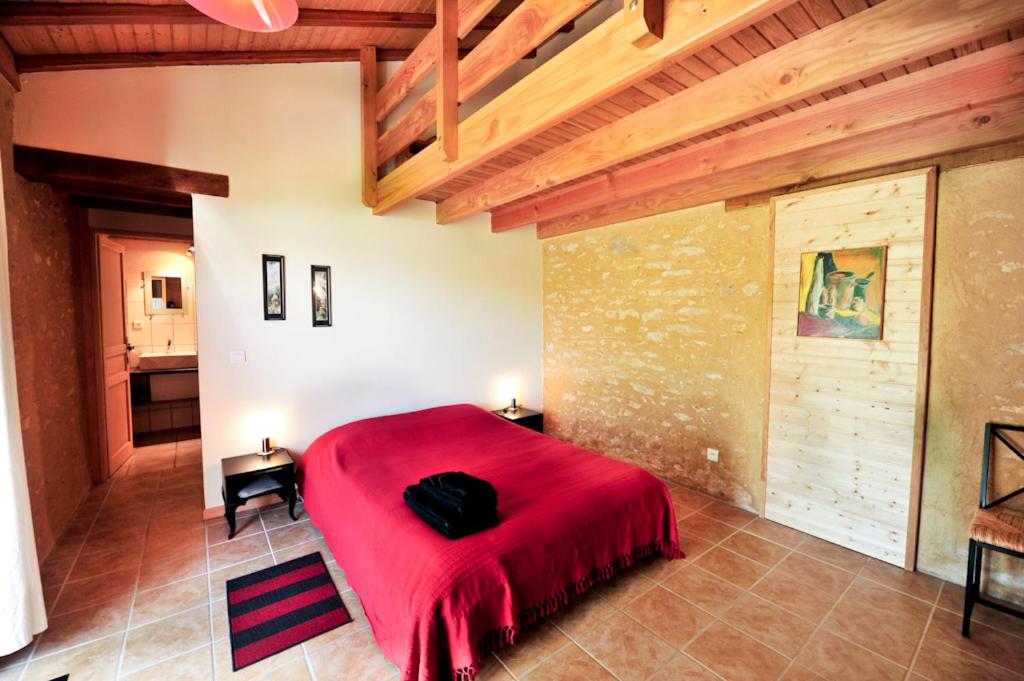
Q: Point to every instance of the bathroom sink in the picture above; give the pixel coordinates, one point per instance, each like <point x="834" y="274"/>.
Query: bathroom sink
<point x="168" y="360"/>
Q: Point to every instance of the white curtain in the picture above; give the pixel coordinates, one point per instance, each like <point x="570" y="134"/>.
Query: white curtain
<point x="22" y="613"/>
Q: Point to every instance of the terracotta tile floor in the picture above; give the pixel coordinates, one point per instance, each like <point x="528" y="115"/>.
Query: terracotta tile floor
<point x="135" y="590"/>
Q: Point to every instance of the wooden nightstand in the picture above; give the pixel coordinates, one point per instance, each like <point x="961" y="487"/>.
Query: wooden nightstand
<point x="253" y="475"/>
<point x="527" y="418"/>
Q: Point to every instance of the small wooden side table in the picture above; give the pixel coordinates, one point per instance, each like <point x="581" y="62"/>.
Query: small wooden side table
<point x="254" y="475"/>
<point x="527" y="418"/>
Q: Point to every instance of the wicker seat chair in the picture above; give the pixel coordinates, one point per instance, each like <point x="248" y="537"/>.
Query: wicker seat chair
<point x="995" y="529"/>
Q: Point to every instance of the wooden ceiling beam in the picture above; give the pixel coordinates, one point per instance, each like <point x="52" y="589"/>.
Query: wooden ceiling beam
<point x="423" y="57"/>
<point x="645" y="21"/>
<point x="171" y="208"/>
<point x="120" y="14"/>
<point x="529" y="25"/>
<point x="951" y="86"/>
<point x="115" y="178"/>
<point x="121" y="60"/>
<point x="887" y="35"/>
<point x="909" y="138"/>
<point x="8" y="68"/>
<point x="447" y="87"/>
<point x="876" y="153"/>
<point x="599" y="64"/>
<point x="368" y="128"/>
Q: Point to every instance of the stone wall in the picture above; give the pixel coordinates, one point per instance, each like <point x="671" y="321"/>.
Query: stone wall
<point x="977" y="371"/>
<point x="655" y="336"/>
<point x="656" y="348"/>
<point x="49" y="359"/>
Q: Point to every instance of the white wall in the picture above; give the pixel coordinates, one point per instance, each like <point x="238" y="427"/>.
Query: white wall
<point x="423" y="315"/>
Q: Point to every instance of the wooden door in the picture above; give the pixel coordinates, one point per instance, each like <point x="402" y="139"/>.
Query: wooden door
<point x="116" y="407"/>
<point x="846" y="414"/>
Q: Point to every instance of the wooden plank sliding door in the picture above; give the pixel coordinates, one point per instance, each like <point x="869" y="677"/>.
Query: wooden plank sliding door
<point x="846" y="414"/>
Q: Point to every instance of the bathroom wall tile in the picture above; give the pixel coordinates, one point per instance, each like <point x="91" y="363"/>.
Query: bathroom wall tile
<point x="184" y="334"/>
<point x="135" y="309"/>
<point x="137" y="338"/>
<point x="133" y="290"/>
<point x="162" y="331"/>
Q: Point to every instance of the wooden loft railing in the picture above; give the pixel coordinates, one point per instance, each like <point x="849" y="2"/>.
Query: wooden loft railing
<point x="619" y="52"/>
<point x="582" y="183"/>
<point x="517" y="36"/>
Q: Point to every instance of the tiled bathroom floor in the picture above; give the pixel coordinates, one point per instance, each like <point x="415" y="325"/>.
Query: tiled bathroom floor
<point x="135" y="590"/>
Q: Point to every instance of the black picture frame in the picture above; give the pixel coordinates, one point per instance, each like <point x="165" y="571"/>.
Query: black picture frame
<point x="273" y="306"/>
<point x="321" y="302"/>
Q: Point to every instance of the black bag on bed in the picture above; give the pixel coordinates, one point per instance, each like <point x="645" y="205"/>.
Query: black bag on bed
<point x="455" y="504"/>
<point x="460" y="491"/>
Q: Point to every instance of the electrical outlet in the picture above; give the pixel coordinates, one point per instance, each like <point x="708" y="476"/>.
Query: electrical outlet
<point x="712" y="455"/>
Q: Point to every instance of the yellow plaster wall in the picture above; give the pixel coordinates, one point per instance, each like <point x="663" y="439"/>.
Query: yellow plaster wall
<point x="656" y="330"/>
<point x="655" y="337"/>
<point x="977" y="371"/>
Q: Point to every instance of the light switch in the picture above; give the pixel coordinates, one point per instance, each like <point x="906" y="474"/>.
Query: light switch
<point x="137" y="325"/>
<point x="237" y="356"/>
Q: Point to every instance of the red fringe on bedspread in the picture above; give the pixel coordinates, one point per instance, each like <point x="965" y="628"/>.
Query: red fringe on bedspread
<point x="501" y="637"/>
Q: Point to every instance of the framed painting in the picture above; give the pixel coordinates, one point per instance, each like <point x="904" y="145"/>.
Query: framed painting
<point x="320" y="280"/>
<point x="842" y="293"/>
<point x="273" y="287"/>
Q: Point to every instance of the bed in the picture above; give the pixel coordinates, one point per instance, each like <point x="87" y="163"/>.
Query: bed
<point x="568" y="518"/>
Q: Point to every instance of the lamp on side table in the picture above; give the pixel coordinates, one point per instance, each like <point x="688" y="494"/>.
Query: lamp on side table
<point x="255" y="475"/>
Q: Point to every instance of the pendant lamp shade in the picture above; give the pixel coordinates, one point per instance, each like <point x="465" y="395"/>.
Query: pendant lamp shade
<point x="260" y="16"/>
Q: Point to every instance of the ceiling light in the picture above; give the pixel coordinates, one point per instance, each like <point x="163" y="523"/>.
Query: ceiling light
<point x="261" y="16"/>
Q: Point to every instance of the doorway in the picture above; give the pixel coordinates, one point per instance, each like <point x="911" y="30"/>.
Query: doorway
<point x="150" y="359"/>
<point x="136" y="199"/>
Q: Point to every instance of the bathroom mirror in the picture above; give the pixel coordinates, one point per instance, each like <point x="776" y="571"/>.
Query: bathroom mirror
<point x="165" y="294"/>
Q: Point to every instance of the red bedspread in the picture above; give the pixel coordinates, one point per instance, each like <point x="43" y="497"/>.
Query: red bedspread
<point x="568" y="516"/>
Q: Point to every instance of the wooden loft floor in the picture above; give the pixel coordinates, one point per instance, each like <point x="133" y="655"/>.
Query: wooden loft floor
<point x="736" y="98"/>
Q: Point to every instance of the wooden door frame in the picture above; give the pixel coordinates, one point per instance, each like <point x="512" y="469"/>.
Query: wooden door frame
<point x="924" y="365"/>
<point x="87" y="254"/>
<point x="112" y="184"/>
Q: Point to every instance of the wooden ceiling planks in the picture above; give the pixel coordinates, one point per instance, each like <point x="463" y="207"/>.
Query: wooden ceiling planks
<point x="799" y="19"/>
<point x="98" y="38"/>
<point x="991" y="41"/>
<point x="746" y="44"/>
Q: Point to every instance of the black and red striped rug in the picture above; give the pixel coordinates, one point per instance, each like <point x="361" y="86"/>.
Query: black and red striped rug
<point x="274" y="609"/>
